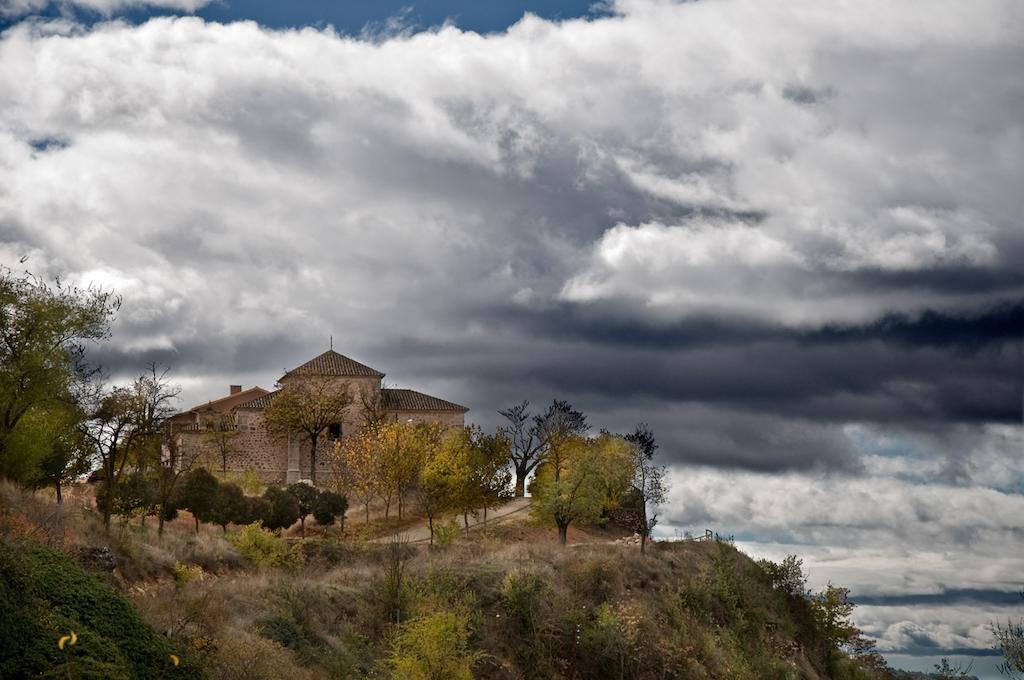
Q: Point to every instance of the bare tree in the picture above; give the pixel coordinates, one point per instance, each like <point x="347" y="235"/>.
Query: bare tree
<point x="531" y="436"/>
<point x="648" y="479"/>
<point x="220" y="431"/>
<point x="126" y="426"/>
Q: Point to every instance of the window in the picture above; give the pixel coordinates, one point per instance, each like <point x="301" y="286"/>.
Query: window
<point x="334" y="430"/>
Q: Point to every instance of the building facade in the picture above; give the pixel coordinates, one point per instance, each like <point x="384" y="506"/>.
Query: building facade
<point x="230" y="432"/>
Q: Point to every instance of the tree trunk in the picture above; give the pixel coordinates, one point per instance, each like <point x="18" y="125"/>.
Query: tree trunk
<point x="520" y="483"/>
<point x="465" y="522"/>
<point x="197" y="524"/>
<point x="160" y="523"/>
<point x="485" y="519"/>
<point x="387" y="507"/>
<point x="643" y="542"/>
<point x="401" y="507"/>
<point x="312" y="459"/>
<point x="56" y="485"/>
<point x="430" y="522"/>
<point x="366" y="506"/>
<point x="302" y="528"/>
<point x="563" y="532"/>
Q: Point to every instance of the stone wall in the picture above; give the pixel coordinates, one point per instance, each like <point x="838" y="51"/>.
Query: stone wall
<point x="274" y="458"/>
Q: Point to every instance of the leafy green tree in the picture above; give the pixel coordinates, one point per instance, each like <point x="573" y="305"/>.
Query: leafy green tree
<point x="307" y="407"/>
<point x="574" y="482"/>
<point x="307" y="496"/>
<point x="283" y="508"/>
<point x="531" y="436"/>
<point x="787" y="576"/>
<point x="329" y="507"/>
<point x="135" y="494"/>
<point x="67" y="454"/>
<point x="832" y="610"/>
<point x="197" y="494"/>
<point x="257" y="509"/>
<point x="228" y="507"/>
<point x="434" y="491"/>
<point x="44" y="333"/>
<point x="490" y="470"/>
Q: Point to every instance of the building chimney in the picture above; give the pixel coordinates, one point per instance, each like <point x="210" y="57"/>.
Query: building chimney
<point x="235" y="389"/>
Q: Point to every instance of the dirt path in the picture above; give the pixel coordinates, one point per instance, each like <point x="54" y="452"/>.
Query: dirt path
<point x="420" y="532"/>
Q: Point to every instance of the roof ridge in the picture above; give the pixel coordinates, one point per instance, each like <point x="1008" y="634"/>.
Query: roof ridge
<point x="334" y="363"/>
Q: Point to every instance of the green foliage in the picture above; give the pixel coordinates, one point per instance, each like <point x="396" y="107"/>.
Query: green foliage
<point x="786" y="576"/>
<point x="44" y="331"/>
<point x="197" y="493"/>
<point x="45" y="595"/>
<point x="433" y="647"/>
<point x="183" y="575"/>
<point x="446" y="533"/>
<point x="228" y="507"/>
<point x="306" y="495"/>
<point x="579" y="479"/>
<point x="249" y="482"/>
<point x="133" y="494"/>
<point x="283" y="508"/>
<point x="286" y="631"/>
<point x="263" y="548"/>
<point x="524" y="595"/>
<point x="329" y="507"/>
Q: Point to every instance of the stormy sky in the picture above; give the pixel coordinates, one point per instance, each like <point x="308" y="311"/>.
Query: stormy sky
<point x="787" y="235"/>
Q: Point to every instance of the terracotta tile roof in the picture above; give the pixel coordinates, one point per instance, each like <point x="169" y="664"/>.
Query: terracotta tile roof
<point x="411" y="400"/>
<point x="261" y="401"/>
<point x="332" y="363"/>
<point x="222" y="405"/>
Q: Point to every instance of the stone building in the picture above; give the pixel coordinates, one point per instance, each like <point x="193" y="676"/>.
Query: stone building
<point x="286" y="459"/>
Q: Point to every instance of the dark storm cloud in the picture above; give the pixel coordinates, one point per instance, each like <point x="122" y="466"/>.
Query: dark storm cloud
<point x="951" y="596"/>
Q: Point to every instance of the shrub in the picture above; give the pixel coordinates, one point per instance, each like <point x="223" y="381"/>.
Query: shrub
<point x="184" y="575"/>
<point x="330" y="506"/>
<point x="523" y="593"/>
<point x="445" y="534"/>
<point x="55" y="596"/>
<point x="433" y="646"/>
<point x="283" y="509"/>
<point x="263" y="548"/>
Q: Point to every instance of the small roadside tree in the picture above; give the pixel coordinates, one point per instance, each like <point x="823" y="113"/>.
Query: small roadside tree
<point x="308" y="406"/>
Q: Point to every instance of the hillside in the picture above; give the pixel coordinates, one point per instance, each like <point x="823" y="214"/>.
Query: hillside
<point x="497" y="605"/>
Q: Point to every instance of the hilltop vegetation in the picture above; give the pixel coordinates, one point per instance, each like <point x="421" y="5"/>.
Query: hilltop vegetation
<point x="486" y="606"/>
